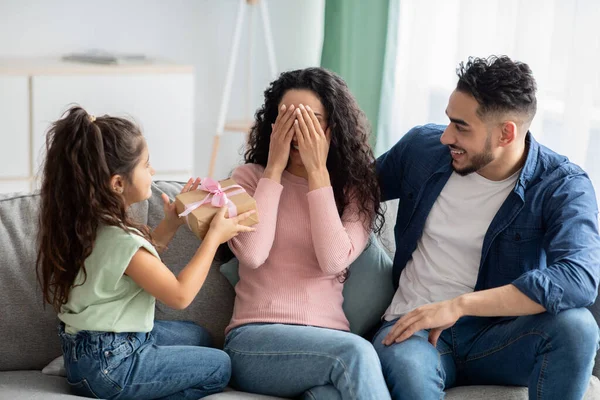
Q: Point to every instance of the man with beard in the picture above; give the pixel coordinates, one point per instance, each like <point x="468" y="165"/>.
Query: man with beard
<point x="497" y="249"/>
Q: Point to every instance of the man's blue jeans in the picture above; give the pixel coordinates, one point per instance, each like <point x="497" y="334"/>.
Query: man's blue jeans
<point x="304" y="361"/>
<point x="553" y="355"/>
<point x="171" y="362"/>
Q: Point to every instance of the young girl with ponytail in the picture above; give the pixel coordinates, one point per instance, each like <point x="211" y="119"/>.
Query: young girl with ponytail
<point x="102" y="272"/>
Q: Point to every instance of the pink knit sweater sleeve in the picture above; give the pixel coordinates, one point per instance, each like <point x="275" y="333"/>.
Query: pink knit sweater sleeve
<point x="337" y="244"/>
<point x="252" y="248"/>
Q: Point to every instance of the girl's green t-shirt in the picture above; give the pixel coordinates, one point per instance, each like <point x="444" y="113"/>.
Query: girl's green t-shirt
<point x="109" y="300"/>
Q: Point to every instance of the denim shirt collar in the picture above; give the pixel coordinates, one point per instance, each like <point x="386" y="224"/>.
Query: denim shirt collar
<point x="530" y="166"/>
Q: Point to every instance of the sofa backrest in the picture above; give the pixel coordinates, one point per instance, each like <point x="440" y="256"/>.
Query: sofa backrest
<point x="29" y="329"/>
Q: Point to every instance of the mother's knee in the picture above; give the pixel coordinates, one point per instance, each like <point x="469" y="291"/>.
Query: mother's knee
<point x="359" y="349"/>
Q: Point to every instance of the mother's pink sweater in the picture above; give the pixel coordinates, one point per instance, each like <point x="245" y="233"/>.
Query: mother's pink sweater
<point x="290" y="266"/>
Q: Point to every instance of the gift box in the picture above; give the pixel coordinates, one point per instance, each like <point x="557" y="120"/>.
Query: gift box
<point x="200" y="206"/>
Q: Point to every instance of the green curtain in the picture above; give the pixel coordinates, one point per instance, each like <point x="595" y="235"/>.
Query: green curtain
<point x="354" y="47"/>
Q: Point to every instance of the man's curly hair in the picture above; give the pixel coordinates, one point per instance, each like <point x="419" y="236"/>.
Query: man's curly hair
<point x="350" y="161"/>
<point x="500" y="85"/>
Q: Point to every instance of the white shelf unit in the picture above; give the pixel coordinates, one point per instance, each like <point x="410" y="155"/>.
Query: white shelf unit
<point x="159" y="96"/>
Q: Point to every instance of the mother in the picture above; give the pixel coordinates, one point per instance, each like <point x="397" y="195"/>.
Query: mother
<point x="310" y="168"/>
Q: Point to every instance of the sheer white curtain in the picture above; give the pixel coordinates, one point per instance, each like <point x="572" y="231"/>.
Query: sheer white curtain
<point x="558" y="39"/>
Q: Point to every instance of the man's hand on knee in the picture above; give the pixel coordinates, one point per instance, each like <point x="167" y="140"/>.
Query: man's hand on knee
<point x="436" y="316"/>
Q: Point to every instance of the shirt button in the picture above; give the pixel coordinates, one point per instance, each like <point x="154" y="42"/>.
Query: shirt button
<point x="517" y="237"/>
<point x="105" y="371"/>
<point x="106" y="353"/>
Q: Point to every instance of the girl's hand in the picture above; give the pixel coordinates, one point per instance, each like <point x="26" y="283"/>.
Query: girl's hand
<point x="281" y="140"/>
<point x="222" y="229"/>
<point x="171" y="217"/>
<point x="313" y="143"/>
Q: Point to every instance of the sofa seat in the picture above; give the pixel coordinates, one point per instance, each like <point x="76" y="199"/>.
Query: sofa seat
<point x="33" y="385"/>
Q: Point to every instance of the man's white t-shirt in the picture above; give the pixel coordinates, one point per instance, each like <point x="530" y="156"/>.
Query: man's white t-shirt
<point x="445" y="263"/>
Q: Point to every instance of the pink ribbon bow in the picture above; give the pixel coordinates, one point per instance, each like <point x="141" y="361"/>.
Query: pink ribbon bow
<point x="216" y="196"/>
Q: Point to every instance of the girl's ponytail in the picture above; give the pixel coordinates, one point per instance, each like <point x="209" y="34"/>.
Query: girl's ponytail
<point x="82" y="154"/>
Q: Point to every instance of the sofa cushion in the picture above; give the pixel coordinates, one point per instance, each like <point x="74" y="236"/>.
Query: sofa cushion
<point x="27" y="325"/>
<point x="33" y="385"/>
<point x="56" y="367"/>
<point x="595" y="309"/>
<point x="231" y="271"/>
<point x="367" y="292"/>
<point x="28" y="328"/>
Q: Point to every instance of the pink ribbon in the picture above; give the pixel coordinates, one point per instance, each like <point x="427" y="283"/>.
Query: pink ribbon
<point x="216" y="196"/>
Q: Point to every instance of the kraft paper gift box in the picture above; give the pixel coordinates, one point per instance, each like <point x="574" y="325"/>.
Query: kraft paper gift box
<point x="200" y="206"/>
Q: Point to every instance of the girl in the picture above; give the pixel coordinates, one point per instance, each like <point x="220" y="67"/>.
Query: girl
<point x="310" y="169"/>
<point x="102" y="272"/>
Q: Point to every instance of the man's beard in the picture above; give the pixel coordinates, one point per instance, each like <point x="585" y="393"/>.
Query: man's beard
<point x="479" y="160"/>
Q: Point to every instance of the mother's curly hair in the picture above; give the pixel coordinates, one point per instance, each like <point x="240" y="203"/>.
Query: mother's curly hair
<point x="350" y="161"/>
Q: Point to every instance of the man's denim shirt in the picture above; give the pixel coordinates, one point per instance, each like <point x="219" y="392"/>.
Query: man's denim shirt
<point x="544" y="238"/>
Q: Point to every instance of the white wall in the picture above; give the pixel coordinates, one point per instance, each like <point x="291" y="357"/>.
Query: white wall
<point x="196" y="32"/>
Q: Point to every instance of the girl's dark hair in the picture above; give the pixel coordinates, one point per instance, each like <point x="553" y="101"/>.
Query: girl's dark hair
<point x="351" y="163"/>
<point x="82" y="154"/>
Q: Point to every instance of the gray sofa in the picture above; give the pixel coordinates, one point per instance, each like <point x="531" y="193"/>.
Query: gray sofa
<point x="28" y="336"/>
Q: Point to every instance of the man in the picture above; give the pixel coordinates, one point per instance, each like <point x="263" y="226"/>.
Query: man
<point x="497" y="249"/>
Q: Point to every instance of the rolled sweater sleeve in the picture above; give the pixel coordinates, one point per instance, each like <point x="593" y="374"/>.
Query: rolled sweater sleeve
<point x="252" y="248"/>
<point x="337" y="241"/>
